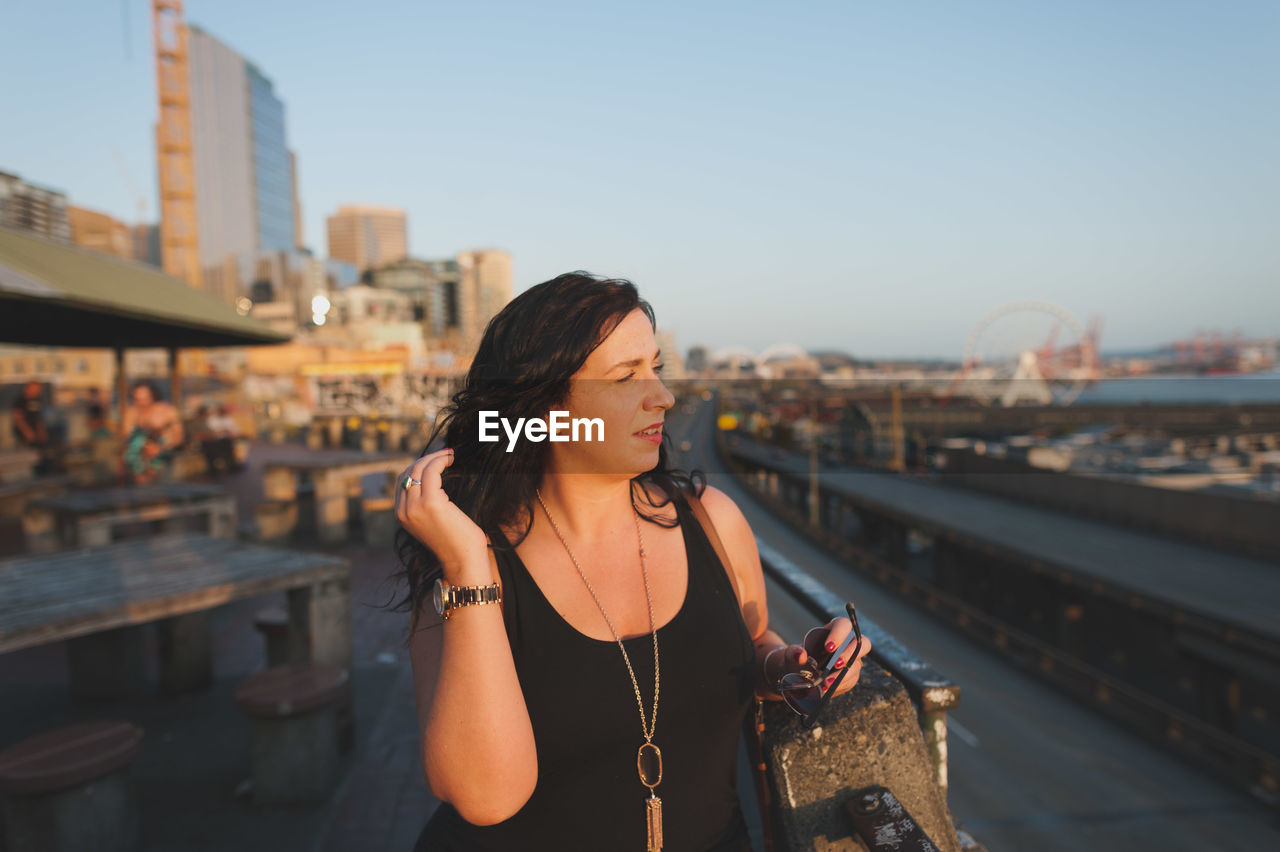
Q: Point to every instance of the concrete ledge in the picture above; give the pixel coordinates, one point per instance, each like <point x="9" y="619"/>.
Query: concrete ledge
<point x="869" y="736"/>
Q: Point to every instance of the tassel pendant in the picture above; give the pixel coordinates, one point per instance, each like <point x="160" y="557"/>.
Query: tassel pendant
<point x="649" y="765"/>
<point x="653" y="819"/>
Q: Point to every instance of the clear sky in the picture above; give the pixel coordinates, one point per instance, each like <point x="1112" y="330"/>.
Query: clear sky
<point x="869" y="176"/>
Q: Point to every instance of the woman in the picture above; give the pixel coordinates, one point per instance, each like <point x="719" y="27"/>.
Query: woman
<point x="537" y="714"/>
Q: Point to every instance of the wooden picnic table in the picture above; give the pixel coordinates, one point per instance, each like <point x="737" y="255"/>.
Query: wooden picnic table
<point x="99" y="598"/>
<point x="97" y="516"/>
<point x="334" y="477"/>
<point x="14" y="496"/>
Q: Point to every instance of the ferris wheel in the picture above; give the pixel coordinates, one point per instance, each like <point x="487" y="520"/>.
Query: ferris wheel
<point x="1028" y="353"/>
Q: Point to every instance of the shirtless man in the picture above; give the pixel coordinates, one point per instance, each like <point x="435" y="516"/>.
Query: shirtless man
<point x="153" y="431"/>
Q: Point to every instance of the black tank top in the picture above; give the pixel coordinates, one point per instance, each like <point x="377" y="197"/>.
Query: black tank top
<point x="586" y="725"/>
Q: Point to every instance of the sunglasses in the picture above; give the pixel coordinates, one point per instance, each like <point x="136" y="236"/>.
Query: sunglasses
<point x="804" y="691"/>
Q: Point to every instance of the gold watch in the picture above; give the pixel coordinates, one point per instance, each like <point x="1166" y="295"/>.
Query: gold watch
<point x="447" y="598"/>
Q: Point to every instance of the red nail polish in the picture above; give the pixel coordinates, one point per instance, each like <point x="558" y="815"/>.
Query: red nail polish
<point x="839" y="662"/>
<point x="830" y="680"/>
<point x="831" y="646"/>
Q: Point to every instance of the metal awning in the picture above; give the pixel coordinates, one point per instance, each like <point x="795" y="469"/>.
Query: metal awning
<point x="53" y="294"/>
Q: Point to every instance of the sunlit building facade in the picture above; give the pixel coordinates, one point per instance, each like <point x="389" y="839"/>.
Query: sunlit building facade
<point x="100" y="232"/>
<point x="367" y="236"/>
<point x="484" y="288"/>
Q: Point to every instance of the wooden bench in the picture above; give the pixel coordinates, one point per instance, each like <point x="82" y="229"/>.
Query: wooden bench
<point x="294" y="730"/>
<point x="94" y="517"/>
<point x="69" y="790"/>
<point x="100" y="599"/>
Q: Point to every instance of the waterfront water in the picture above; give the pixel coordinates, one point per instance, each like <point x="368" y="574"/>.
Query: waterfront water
<point x="1252" y="387"/>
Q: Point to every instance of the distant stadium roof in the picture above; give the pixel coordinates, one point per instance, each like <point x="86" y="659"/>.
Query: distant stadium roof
<point x="53" y="294"/>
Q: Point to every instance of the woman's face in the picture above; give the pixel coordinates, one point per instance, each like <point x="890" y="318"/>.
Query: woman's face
<point x="620" y="385"/>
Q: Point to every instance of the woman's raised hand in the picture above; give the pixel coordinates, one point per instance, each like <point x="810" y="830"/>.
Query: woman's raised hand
<point x="427" y="513"/>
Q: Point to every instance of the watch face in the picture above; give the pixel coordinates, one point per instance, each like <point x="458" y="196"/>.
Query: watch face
<point x="437" y="597"/>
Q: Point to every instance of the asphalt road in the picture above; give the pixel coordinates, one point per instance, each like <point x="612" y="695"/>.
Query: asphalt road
<point x="1029" y="768"/>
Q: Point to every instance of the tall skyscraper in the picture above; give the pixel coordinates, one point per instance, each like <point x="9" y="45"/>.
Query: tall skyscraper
<point x="484" y="289"/>
<point x="244" y="193"/>
<point x="368" y="237"/>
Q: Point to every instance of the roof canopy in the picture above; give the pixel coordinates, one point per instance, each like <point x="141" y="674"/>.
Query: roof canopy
<point x="52" y="294"/>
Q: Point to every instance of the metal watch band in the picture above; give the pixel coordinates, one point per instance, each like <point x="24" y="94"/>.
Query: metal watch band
<point x="459" y="596"/>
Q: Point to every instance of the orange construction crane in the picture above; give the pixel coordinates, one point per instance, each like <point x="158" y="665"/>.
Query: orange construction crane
<point x="178" y="244"/>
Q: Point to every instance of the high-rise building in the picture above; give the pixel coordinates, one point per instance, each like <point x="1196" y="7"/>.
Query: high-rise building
<point x="368" y="237"/>
<point x="100" y="232"/>
<point x="244" y="194"/>
<point x="484" y="289"/>
<point x="33" y="208"/>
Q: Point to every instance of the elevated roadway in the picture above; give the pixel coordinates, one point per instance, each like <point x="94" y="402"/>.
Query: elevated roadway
<point x="1029" y="769"/>
<point x="1231" y="589"/>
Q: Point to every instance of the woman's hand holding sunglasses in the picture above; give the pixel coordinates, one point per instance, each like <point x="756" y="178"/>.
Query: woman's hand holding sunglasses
<point x="827" y="663"/>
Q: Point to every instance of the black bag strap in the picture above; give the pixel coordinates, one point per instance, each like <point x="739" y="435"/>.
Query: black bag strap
<point x="753" y="724"/>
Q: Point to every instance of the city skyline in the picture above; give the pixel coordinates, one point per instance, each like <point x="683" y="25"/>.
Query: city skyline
<point x="874" y="180"/>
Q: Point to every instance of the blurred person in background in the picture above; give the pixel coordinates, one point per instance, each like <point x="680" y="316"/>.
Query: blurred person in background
<point x="98" y="426"/>
<point x="29" y="427"/>
<point x="104" y="447"/>
<point x="153" y="433"/>
<point x="216" y="431"/>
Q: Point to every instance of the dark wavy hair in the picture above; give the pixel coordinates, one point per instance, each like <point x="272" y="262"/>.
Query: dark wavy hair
<point x="153" y="387"/>
<point x="522" y="368"/>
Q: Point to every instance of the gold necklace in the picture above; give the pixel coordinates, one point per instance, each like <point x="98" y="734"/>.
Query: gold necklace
<point x="649" y="757"/>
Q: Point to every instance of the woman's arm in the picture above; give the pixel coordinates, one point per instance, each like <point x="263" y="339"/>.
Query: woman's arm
<point x="20" y="420"/>
<point x="740" y="546"/>
<point x="476" y="739"/>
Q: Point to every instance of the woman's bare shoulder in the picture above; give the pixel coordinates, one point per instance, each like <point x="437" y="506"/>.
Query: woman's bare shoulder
<point x="722" y="509"/>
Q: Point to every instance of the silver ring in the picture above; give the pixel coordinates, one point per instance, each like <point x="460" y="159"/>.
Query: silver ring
<point x="409" y="482"/>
